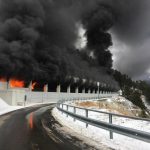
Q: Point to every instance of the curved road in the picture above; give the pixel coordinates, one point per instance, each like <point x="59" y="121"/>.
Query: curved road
<point x="34" y="128"/>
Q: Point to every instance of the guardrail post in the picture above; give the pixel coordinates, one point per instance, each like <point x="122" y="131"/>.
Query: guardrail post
<point x="74" y="111"/>
<point x="62" y="107"/>
<point x="110" y="121"/>
<point x="86" y="114"/>
<point x="67" y="109"/>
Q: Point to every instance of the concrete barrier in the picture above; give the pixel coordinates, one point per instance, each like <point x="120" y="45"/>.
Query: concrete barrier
<point x="24" y="96"/>
<point x="40" y="97"/>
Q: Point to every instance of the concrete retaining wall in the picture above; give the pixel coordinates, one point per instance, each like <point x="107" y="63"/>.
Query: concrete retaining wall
<point x="40" y="97"/>
<point x="17" y="96"/>
<point x="13" y="96"/>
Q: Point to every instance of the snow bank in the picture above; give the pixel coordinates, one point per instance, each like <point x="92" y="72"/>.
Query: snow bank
<point x="102" y="136"/>
<point x="3" y="104"/>
<point x="5" y="108"/>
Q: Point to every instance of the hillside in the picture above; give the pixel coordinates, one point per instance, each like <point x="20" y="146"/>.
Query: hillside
<point x="117" y="104"/>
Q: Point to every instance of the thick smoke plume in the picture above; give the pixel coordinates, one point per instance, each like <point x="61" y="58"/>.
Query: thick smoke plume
<point x="97" y="24"/>
<point x="37" y="39"/>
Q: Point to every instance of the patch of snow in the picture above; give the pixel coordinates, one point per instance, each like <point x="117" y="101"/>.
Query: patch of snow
<point x="5" y="108"/>
<point x="3" y="104"/>
<point x="109" y="100"/>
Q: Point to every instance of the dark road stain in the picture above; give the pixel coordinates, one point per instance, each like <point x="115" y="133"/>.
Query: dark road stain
<point x="39" y="132"/>
<point x="16" y="133"/>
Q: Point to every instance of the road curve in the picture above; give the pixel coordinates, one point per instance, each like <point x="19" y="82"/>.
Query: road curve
<point x="34" y="128"/>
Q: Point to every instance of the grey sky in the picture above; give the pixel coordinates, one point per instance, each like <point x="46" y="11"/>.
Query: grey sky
<point x="131" y="39"/>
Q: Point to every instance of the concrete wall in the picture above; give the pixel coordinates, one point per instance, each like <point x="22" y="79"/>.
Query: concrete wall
<point x="3" y="85"/>
<point x="13" y="96"/>
<point x="17" y="96"/>
<point x="40" y="97"/>
<point x="7" y="96"/>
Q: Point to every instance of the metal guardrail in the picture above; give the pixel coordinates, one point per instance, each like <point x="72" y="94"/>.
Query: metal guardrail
<point x="130" y="132"/>
<point x="108" y="113"/>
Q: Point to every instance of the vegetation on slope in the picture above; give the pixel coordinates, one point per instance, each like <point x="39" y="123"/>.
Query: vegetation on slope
<point x="133" y="90"/>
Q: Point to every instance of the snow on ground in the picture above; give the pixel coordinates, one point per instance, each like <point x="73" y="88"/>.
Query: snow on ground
<point x="119" y="142"/>
<point x="5" y="108"/>
<point x="2" y="104"/>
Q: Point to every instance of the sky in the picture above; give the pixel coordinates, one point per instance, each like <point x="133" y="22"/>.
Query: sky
<point x="131" y="40"/>
<point x="132" y="60"/>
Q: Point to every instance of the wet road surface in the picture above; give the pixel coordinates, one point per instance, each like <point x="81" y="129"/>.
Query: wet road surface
<point x="32" y="129"/>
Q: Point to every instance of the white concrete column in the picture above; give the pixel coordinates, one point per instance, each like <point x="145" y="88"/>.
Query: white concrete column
<point x="77" y="90"/>
<point x="89" y="91"/>
<point x="30" y="86"/>
<point x="83" y="90"/>
<point x="97" y="92"/>
<point x="58" y="89"/>
<point x="68" y="89"/>
<point x="46" y="88"/>
<point x="93" y="92"/>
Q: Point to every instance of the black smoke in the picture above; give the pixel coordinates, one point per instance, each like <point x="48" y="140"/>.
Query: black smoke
<point x="97" y="23"/>
<point x="37" y="40"/>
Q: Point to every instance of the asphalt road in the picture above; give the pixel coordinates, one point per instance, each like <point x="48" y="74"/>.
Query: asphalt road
<point x="34" y="129"/>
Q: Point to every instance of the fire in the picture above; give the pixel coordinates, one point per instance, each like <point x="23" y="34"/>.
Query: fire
<point x="33" y="85"/>
<point x="3" y="80"/>
<point x="16" y="83"/>
<point x="37" y="86"/>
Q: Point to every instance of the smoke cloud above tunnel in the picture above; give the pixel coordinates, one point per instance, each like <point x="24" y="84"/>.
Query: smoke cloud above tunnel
<point x="37" y="37"/>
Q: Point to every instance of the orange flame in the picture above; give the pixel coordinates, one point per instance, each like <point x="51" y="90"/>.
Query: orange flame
<point x="3" y="80"/>
<point x="16" y="83"/>
<point x="33" y="85"/>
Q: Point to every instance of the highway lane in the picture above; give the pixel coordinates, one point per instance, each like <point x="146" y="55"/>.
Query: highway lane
<point x="33" y="128"/>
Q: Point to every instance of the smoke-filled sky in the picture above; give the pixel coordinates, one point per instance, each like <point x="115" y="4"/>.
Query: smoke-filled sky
<point x="131" y="38"/>
<point x="38" y="38"/>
